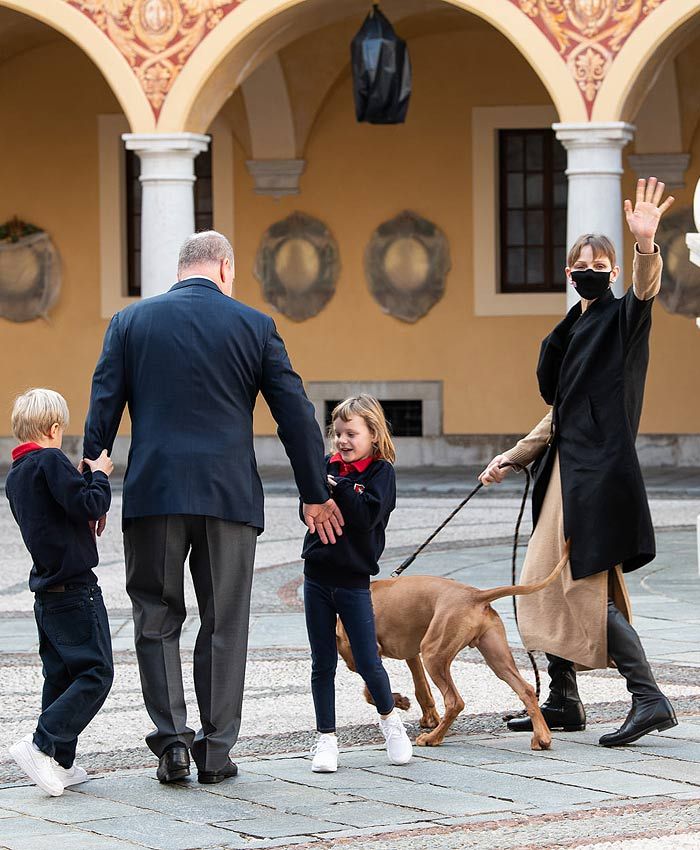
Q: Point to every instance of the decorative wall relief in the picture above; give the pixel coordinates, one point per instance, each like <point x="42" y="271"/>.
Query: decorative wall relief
<point x="298" y="265"/>
<point x="30" y="272"/>
<point x="406" y="263"/>
<point x="680" y="283"/>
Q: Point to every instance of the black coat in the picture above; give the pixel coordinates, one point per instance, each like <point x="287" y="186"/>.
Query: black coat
<point x="189" y="364"/>
<point x="592" y="370"/>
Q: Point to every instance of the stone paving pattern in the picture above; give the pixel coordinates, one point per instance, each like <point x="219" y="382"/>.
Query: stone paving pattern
<point x="483" y="788"/>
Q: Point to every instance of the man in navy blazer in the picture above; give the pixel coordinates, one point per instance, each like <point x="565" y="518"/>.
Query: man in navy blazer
<point x="189" y="365"/>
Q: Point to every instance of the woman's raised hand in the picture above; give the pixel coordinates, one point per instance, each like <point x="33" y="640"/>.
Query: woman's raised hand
<point x="644" y="219"/>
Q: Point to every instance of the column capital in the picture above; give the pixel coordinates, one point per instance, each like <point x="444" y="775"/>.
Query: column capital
<point x="187" y="143"/>
<point x="615" y="134"/>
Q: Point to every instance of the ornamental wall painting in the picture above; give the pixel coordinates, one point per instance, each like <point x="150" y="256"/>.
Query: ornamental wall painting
<point x="588" y="34"/>
<point x="156" y="37"/>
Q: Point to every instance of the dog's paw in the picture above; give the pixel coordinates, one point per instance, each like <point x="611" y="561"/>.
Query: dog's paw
<point x="428" y="739"/>
<point x="540" y="743"/>
<point x="429" y="721"/>
<point x="402" y="702"/>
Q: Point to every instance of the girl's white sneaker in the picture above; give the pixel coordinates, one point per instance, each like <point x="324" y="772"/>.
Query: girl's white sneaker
<point x="37" y="766"/>
<point x="398" y="745"/>
<point x="325" y="753"/>
<point x="73" y="775"/>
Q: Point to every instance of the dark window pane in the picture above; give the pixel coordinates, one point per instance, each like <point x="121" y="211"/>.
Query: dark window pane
<point x="558" y="265"/>
<point x="535" y="227"/>
<point x="515" y="265"/>
<point x="559" y="227"/>
<point x="405" y="417"/>
<point x="558" y="155"/>
<point x="534" y="151"/>
<point x="533" y="193"/>
<point x="534" y="190"/>
<point x="516" y="196"/>
<point x="514" y="151"/>
<point x="516" y="228"/>
<point x="535" y="265"/>
<point x="560" y="188"/>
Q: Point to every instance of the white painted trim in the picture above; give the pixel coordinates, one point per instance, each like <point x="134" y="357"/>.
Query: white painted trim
<point x="488" y="301"/>
<point x="113" y="265"/>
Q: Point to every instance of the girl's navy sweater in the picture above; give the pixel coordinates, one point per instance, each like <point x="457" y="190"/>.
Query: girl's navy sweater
<point x="365" y="499"/>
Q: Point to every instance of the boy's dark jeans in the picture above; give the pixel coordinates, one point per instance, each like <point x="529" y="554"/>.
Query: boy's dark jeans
<point x="76" y="652"/>
<point x="354" y="606"/>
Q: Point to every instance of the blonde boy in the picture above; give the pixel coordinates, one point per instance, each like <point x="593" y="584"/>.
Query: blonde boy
<point x="54" y="507"/>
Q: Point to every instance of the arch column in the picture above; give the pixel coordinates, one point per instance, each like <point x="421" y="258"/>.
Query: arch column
<point x="693" y="239"/>
<point x="595" y="192"/>
<point x="167" y="202"/>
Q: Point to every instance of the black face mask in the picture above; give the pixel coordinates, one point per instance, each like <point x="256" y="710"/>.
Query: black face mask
<point x="591" y="284"/>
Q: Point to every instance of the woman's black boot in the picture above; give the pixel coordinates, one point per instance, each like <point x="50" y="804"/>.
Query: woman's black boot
<point x="651" y="711"/>
<point x="563" y="709"/>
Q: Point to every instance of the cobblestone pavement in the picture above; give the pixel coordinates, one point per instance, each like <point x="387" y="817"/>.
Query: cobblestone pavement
<point x="483" y="788"/>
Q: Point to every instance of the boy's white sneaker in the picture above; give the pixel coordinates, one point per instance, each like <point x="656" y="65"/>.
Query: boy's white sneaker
<point x="325" y="753"/>
<point x="73" y="775"/>
<point x="37" y="765"/>
<point x="398" y="745"/>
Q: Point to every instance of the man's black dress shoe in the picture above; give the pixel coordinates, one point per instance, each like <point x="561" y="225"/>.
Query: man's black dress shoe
<point x="174" y="764"/>
<point x="211" y="777"/>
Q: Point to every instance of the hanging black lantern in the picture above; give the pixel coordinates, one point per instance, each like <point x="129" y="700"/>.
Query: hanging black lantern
<point x="381" y="71"/>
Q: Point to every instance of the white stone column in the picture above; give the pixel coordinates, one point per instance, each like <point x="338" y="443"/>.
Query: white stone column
<point x="693" y="239"/>
<point x="595" y="195"/>
<point x="167" y="202"/>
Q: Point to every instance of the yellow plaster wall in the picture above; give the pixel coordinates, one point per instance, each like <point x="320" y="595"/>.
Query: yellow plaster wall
<point x="51" y="97"/>
<point x="358" y="176"/>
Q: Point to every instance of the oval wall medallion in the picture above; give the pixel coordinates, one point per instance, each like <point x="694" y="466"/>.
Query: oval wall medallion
<point x="406" y="263"/>
<point x="297" y="265"/>
<point x="30" y="272"/>
<point x="680" y="281"/>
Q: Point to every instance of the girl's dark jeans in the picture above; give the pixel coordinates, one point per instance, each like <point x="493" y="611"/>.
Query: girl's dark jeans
<point x="76" y="652"/>
<point x="354" y="606"/>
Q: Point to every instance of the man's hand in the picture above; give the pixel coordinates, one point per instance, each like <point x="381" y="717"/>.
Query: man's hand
<point x="325" y="519"/>
<point x="97" y="527"/>
<point x="102" y="464"/>
<point x="648" y="209"/>
<point x="494" y="473"/>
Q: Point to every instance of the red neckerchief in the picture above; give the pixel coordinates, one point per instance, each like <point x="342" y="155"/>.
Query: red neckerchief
<point x="356" y="466"/>
<point x="24" y="449"/>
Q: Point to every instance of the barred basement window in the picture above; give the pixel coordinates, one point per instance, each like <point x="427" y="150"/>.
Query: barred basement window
<point x="533" y="194"/>
<point x="203" y="210"/>
<point x="405" y="417"/>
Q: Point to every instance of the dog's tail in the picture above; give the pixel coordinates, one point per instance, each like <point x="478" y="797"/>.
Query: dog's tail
<point x="487" y="596"/>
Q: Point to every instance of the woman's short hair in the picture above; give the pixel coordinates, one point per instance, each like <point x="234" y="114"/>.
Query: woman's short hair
<point x="600" y="245"/>
<point x="35" y="411"/>
<point x="371" y="411"/>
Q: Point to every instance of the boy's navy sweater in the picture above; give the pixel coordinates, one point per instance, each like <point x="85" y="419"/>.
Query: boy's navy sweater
<point x="365" y="499"/>
<point x="53" y="504"/>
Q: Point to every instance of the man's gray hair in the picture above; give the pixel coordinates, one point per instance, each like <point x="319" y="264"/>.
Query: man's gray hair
<point x="205" y="247"/>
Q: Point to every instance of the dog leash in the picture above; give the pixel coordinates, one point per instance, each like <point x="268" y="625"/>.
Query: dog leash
<point x="526" y="490"/>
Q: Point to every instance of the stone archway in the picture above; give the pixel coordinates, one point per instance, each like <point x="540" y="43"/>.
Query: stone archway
<point x="640" y="59"/>
<point x="256" y="29"/>
<point x="74" y="25"/>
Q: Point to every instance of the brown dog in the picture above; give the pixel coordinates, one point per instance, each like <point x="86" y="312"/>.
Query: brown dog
<point x="427" y="620"/>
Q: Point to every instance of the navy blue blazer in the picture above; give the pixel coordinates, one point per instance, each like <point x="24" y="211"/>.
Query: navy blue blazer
<point x="189" y="365"/>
